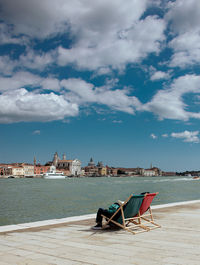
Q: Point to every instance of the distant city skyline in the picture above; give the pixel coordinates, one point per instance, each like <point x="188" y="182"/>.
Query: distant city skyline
<point x="117" y="81"/>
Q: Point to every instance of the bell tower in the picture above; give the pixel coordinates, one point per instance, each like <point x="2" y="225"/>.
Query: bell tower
<point x="64" y="157"/>
<point x="55" y="159"/>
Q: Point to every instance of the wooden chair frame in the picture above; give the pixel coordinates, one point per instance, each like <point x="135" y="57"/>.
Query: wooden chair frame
<point x="146" y="217"/>
<point x="128" y="224"/>
<point x="134" y="224"/>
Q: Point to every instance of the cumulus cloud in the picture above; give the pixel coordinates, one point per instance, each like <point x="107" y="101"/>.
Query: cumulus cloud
<point x="187" y="136"/>
<point x="21" y="105"/>
<point x="115" y="50"/>
<point x="83" y="92"/>
<point x="72" y="93"/>
<point x="153" y="136"/>
<point x="103" y="37"/>
<point x="35" y="18"/>
<point x="186" y="49"/>
<point x="7" y="65"/>
<point x="7" y="36"/>
<point x="184" y="18"/>
<point x="26" y="79"/>
<point x="183" y="15"/>
<point x="18" y="80"/>
<point x="169" y="104"/>
<point x="158" y="75"/>
<point x="36" y="60"/>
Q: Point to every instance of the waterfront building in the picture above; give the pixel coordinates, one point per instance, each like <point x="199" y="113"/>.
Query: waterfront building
<point x="64" y="164"/>
<point x="91" y="163"/>
<point x="147" y="172"/>
<point x="111" y="171"/>
<point x="102" y="171"/>
<point x="55" y="159"/>
<point x="170" y="174"/>
<point x="2" y="169"/>
<point x="68" y="167"/>
<point x="17" y="171"/>
<point x="76" y="167"/>
<point x="95" y="170"/>
<point x="129" y="171"/>
<point x="39" y="170"/>
<point x="158" y="171"/>
<point x="5" y="170"/>
<point x="91" y="169"/>
<point x="28" y="170"/>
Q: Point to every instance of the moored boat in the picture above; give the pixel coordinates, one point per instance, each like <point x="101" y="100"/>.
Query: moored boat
<point x="52" y="174"/>
<point x="196" y="177"/>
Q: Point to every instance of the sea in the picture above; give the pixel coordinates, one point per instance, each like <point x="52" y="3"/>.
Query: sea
<point x="28" y="200"/>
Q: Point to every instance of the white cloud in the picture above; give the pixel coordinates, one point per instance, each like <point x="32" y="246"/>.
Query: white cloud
<point x="186" y="49"/>
<point x="30" y="60"/>
<point x="26" y="79"/>
<point x="7" y="36"/>
<point x="20" y="105"/>
<point x="82" y="92"/>
<point x="36" y="132"/>
<point x="184" y="17"/>
<point x="168" y="103"/>
<point x="36" y="60"/>
<point x="7" y="65"/>
<point x="18" y="80"/>
<point x="158" y="75"/>
<point x="36" y="18"/>
<point x="50" y="83"/>
<point x="153" y="136"/>
<point x="187" y="136"/>
<point x="48" y="17"/>
<point x="114" y="50"/>
<point x="117" y="121"/>
<point x="106" y="35"/>
<point x="72" y="93"/>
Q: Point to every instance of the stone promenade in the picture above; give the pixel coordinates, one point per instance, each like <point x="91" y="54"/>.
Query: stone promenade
<point x="72" y="241"/>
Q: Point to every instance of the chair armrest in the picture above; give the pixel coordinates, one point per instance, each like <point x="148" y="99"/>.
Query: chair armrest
<point x="120" y="202"/>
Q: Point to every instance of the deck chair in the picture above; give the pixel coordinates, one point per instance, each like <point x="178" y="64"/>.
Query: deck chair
<point x="127" y="216"/>
<point x="145" y="213"/>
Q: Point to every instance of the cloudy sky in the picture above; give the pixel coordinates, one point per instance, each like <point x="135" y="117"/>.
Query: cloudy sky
<point x="115" y="80"/>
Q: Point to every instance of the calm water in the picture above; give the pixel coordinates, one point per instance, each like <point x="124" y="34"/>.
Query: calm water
<point x="27" y="200"/>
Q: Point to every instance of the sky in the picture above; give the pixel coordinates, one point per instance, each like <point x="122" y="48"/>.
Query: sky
<point x="118" y="81"/>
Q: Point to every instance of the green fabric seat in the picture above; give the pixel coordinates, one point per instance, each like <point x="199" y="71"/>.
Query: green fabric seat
<point x="131" y="208"/>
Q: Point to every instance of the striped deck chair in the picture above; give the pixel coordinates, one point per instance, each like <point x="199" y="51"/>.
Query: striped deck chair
<point x="126" y="214"/>
<point x="145" y="213"/>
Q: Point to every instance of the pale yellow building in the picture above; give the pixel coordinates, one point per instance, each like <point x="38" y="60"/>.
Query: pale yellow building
<point x="28" y="170"/>
<point x="17" y="171"/>
<point x="103" y="171"/>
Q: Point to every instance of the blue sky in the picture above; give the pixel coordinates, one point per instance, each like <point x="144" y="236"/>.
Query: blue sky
<point x="115" y="80"/>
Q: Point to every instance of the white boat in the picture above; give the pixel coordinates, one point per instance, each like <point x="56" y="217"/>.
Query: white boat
<point x="52" y="174"/>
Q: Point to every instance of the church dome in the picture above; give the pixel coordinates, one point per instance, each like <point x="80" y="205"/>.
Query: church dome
<point x="91" y="163"/>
